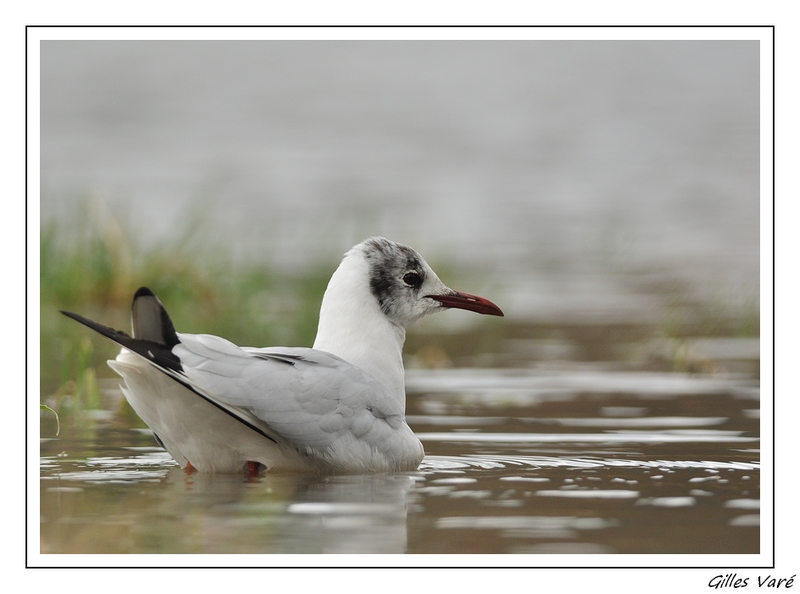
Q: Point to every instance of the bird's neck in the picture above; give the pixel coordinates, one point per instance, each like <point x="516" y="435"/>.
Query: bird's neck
<point x="352" y="326"/>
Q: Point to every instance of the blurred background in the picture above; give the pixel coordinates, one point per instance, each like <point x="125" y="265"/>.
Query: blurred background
<point x="603" y="193"/>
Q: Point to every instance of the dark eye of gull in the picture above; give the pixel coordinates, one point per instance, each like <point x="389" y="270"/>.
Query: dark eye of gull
<point x="412" y="279"/>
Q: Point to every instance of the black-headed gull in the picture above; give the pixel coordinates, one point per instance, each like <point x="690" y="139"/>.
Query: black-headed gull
<point x="338" y="407"/>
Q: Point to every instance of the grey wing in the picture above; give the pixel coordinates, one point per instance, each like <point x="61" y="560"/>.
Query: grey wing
<point x="305" y="398"/>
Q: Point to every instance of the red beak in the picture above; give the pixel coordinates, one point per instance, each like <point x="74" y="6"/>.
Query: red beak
<point x="468" y="302"/>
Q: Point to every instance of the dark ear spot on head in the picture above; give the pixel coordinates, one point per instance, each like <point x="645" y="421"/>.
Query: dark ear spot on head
<point x="380" y="284"/>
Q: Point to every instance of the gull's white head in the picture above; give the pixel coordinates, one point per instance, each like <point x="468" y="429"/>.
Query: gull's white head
<point x="406" y="288"/>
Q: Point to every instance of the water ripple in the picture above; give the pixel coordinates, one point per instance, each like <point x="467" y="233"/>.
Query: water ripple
<point x="673" y="436"/>
<point x="485" y="461"/>
<point x="152" y="466"/>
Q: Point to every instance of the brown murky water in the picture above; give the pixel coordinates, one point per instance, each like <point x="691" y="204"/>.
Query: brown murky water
<point x="567" y="458"/>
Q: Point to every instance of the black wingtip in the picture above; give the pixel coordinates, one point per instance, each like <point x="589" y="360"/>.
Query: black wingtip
<point x="151" y="320"/>
<point x="115" y="335"/>
<point x="74" y="316"/>
<point x="143" y="292"/>
<point x="157" y="353"/>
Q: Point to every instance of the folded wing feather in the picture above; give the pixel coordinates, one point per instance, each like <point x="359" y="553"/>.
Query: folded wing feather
<point x="310" y="402"/>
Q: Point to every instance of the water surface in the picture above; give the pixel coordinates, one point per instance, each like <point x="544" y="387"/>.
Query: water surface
<point x="518" y="461"/>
